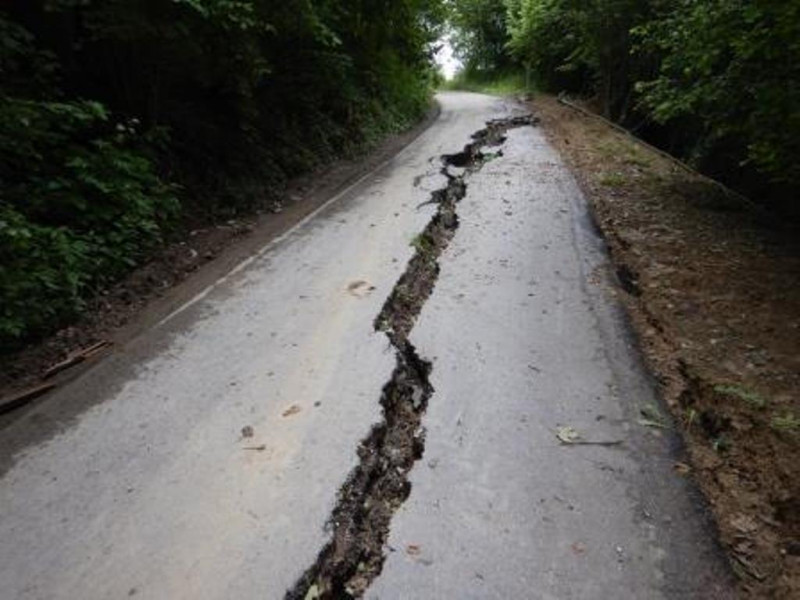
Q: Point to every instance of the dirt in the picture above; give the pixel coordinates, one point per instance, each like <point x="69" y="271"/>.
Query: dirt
<point x="177" y="272"/>
<point x="711" y="283"/>
<point x="379" y="484"/>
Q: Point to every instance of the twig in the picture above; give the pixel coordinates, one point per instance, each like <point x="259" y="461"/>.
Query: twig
<point x="75" y="358"/>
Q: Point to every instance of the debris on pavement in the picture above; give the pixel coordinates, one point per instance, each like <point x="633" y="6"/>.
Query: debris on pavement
<point x="570" y="437"/>
<point x="713" y="295"/>
<point x="292" y="410"/>
<point x="76" y="357"/>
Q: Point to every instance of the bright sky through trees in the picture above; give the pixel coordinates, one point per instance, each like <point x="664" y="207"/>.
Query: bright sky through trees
<point x="447" y="62"/>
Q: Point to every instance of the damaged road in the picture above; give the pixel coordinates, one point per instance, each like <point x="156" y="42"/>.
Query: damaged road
<point x="379" y="484"/>
<point x="369" y="407"/>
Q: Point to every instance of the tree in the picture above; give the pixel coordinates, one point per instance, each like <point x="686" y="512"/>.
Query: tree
<point x="732" y="68"/>
<point x="481" y="35"/>
<point x="113" y="110"/>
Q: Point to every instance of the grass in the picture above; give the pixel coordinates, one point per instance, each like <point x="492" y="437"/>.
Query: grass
<point x="495" y="85"/>
<point x="788" y="423"/>
<point x="422" y="244"/>
<point x="747" y="396"/>
<point x="638" y="160"/>
<point x="613" y="179"/>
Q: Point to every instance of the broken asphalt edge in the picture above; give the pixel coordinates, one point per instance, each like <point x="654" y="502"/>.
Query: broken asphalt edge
<point x="379" y="484"/>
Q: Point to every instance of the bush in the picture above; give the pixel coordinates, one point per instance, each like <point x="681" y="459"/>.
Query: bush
<point x="229" y="98"/>
<point x="80" y="205"/>
<point x="733" y="69"/>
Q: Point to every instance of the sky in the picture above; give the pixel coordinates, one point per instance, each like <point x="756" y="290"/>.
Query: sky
<point x="448" y="63"/>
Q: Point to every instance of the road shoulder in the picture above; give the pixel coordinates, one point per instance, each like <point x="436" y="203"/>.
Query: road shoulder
<point x="711" y="288"/>
<point x="175" y="275"/>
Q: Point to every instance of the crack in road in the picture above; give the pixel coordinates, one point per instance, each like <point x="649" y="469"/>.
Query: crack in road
<point x="379" y="484"/>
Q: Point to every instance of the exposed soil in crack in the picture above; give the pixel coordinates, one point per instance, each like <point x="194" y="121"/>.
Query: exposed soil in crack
<point x="379" y="484"/>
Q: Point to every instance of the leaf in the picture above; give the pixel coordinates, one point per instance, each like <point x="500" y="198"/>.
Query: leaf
<point x="313" y="593"/>
<point x="292" y="410"/>
<point x="682" y="468"/>
<point x="567" y="435"/>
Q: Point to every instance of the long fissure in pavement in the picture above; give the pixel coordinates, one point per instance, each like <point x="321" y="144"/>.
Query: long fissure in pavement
<point x="379" y="484"/>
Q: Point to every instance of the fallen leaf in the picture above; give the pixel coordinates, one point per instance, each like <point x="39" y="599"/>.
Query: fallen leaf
<point x="413" y="550"/>
<point x="292" y="410"/>
<point x="355" y="285"/>
<point x="360" y="288"/>
<point x="682" y="468"/>
<point x="578" y="548"/>
<point x="567" y="435"/>
<point x="313" y="593"/>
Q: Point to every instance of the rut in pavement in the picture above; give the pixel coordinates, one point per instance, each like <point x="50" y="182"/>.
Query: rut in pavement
<point x="379" y="484"/>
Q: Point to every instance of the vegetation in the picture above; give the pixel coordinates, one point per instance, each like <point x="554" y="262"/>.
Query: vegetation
<point x="715" y="81"/>
<point x="118" y="117"/>
<point x="490" y="83"/>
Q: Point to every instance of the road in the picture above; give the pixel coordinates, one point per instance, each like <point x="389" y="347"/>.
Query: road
<point x="204" y="459"/>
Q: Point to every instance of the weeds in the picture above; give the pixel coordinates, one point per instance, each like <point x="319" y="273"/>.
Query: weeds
<point x="691" y="415"/>
<point x="497" y="85"/>
<point x="789" y="424"/>
<point x="613" y="179"/>
<point x="751" y="398"/>
<point x="652" y="417"/>
<point x="721" y="444"/>
<point x="422" y="244"/>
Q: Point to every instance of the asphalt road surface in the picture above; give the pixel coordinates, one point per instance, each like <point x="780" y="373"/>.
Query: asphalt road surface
<point x="203" y="459"/>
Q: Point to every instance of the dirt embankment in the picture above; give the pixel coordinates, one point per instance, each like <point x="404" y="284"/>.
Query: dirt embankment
<point x="712" y="286"/>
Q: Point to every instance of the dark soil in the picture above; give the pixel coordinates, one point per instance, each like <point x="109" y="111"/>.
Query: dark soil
<point x="712" y="286"/>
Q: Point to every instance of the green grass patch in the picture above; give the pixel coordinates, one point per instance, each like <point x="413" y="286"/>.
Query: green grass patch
<point x="613" y="179"/>
<point x="495" y="85"/>
<point x="787" y="423"/>
<point x="735" y="391"/>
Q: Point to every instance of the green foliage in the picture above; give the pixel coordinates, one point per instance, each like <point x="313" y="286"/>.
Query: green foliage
<point x="481" y="36"/>
<point x="495" y="84"/>
<point x="79" y="206"/>
<point x="228" y="98"/>
<point x="715" y="81"/>
<point x="581" y="46"/>
<point x="732" y="67"/>
<point x="544" y="38"/>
